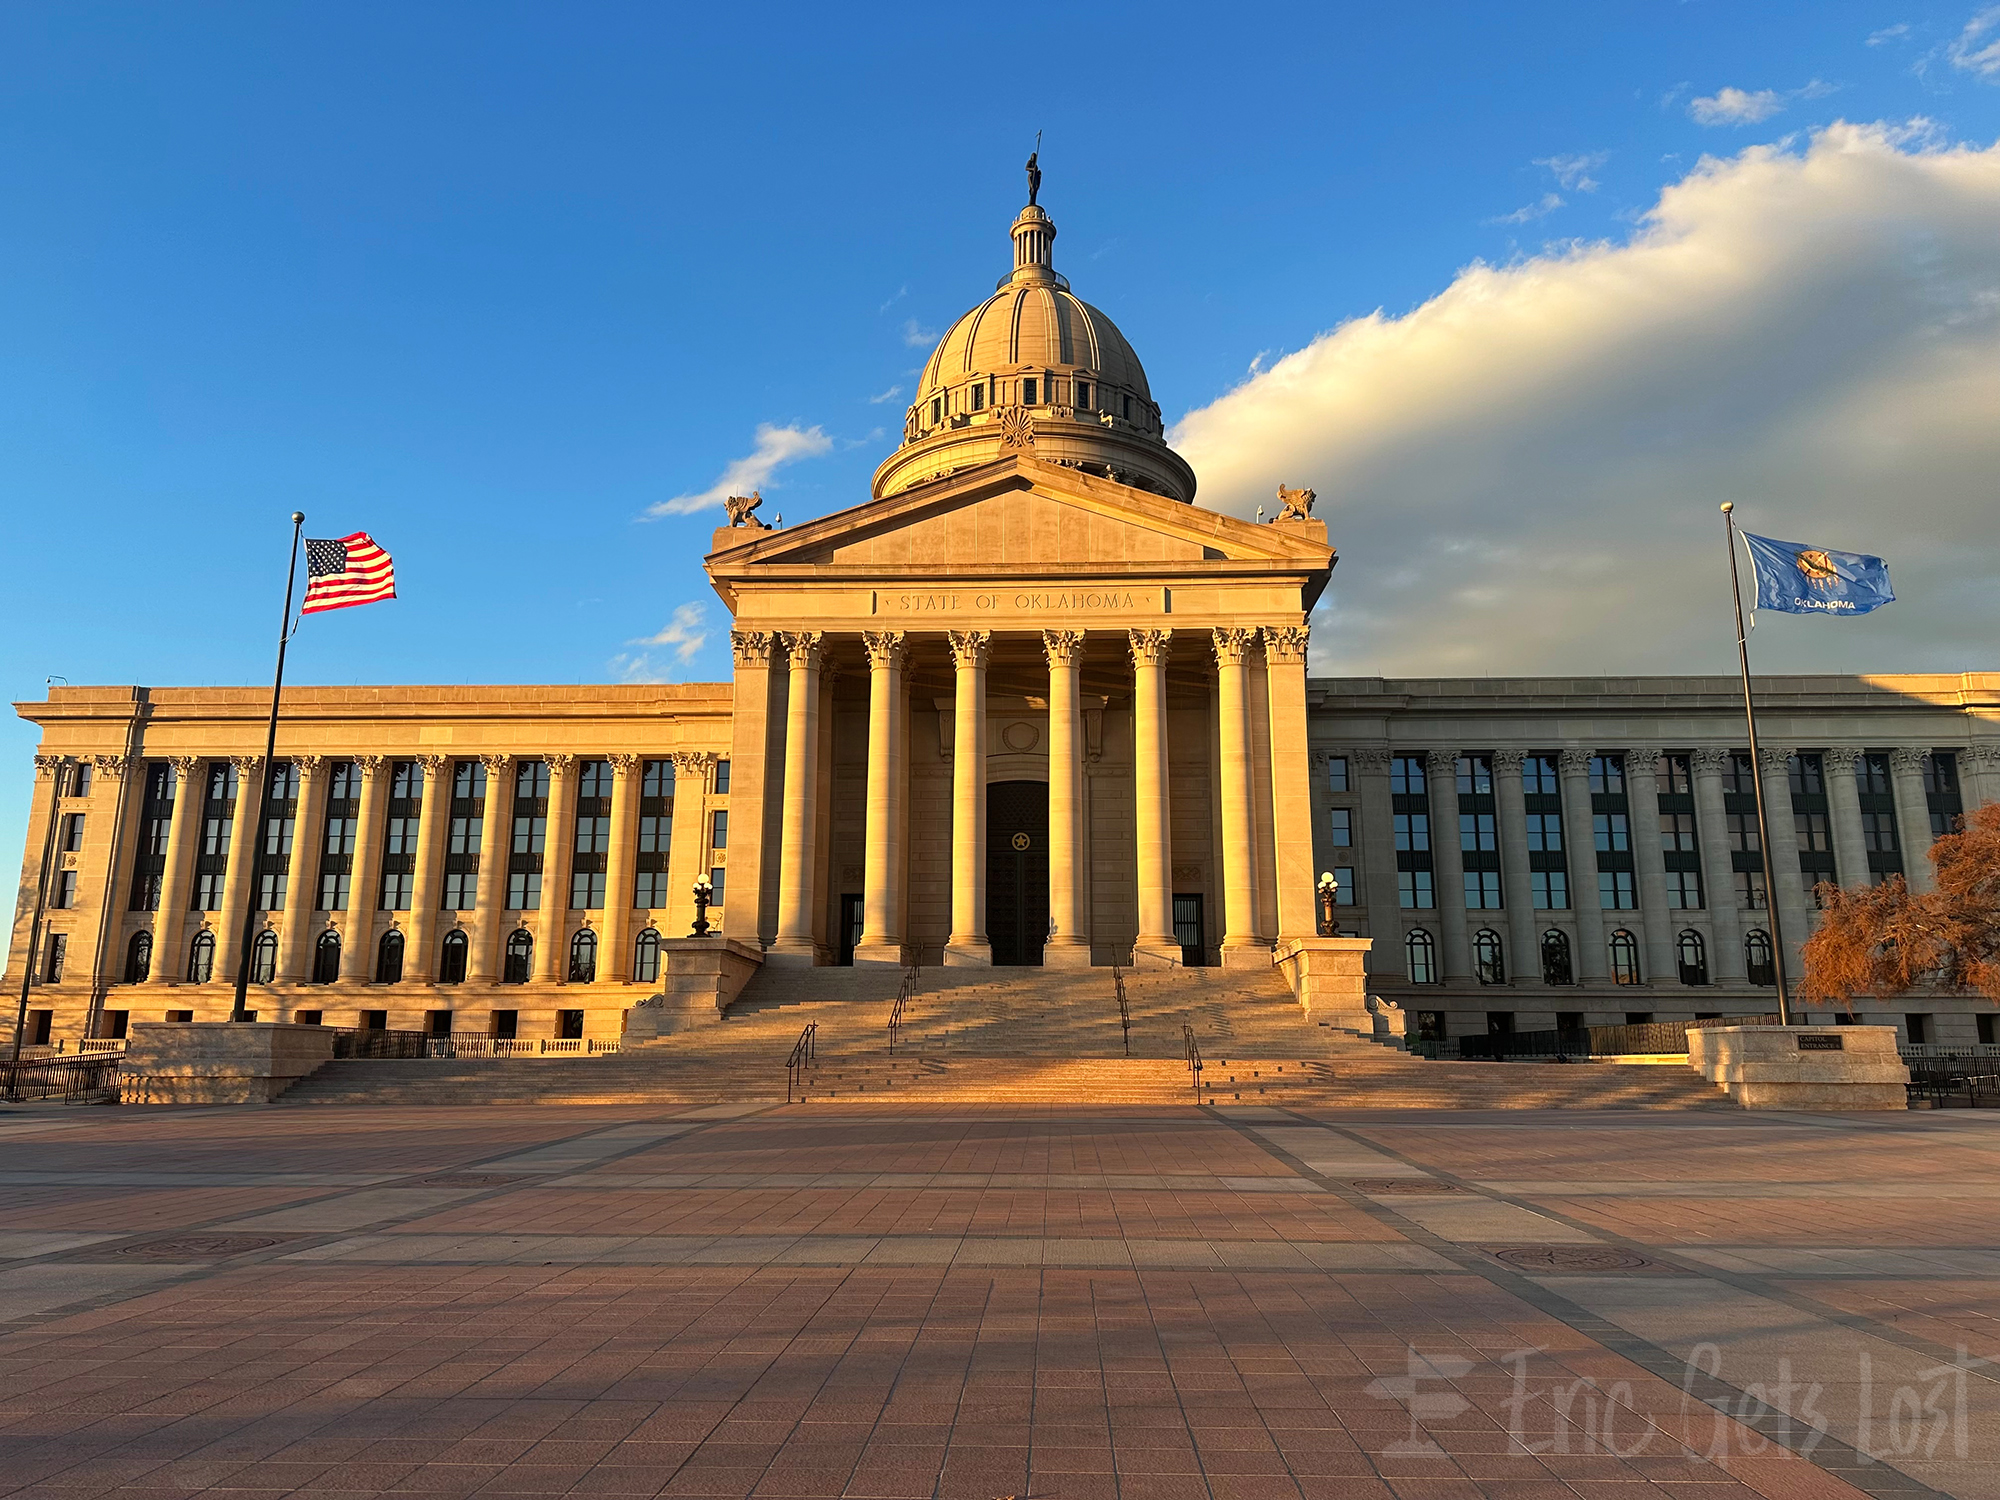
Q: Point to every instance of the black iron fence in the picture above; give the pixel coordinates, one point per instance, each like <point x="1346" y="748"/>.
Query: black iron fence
<point x="1943" y="1079"/>
<point x="1654" y="1037"/>
<point x="72" y="1079"/>
<point x="356" y="1042"/>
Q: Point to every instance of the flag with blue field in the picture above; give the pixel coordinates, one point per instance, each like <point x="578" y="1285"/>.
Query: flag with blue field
<point x="1802" y="580"/>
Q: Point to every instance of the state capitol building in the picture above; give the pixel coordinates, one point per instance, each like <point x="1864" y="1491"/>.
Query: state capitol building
<point x="1027" y="704"/>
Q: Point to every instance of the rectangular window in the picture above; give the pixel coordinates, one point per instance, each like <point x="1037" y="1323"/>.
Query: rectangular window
<point x="715" y="877"/>
<point x="979" y="398"/>
<point x="156" y="818"/>
<point x="79" y="779"/>
<point x="397" y="889"/>
<point x="271" y="890"/>
<point x="1342" y="820"/>
<point x="1611" y="832"/>
<point x="524" y="890"/>
<point x="55" y="952"/>
<point x="1941" y="792"/>
<point x="399" y="843"/>
<point x="1677" y="832"/>
<point x="1750" y="895"/>
<point x="1672" y="776"/>
<point x="721" y="778"/>
<point x="1607" y="775"/>
<point x="218" y="815"/>
<point x="1344" y="894"/>
<point x="1413" y="890"/>
<point x="528" y="834"/>
<point x="1551" y="888"/>
<point x="1476" y="832"/>
<point x="333" y="890"/>
<point x="1336" y="774"/>
<point x="464" y="835"/>
<point x="1406" y="776"/>
<point x="1029" y="392"/>
<point x="1413" y="830"/>
<point x="656" y="835"/>
<point x="719" y="837"/>
<point x="337" y="839"/>
<point x="1538" y="776"/>
<point x="592" y="846"/>
<point x="1615" y="890"/>
<point x="274" y="844"/>
<point x="1482" y="889"/>
<point x="64" y="895"/>
<point x="1684" y="889"/>
<point x="72" y="832"/>
<point x="1083" y="395"/>
<point x="1878" y="832"/>
<point x="1544" y="832"/>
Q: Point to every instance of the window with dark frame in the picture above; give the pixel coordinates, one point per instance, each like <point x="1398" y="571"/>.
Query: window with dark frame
<point x="399" y="841"/>
<point x="1611" y="831"/>
<point x="1410" y="810"/>
<point x="1489" y="964"/>
<point x="451" y="957"/>
<point x="591" y="856"/>
<point x="1478" y="833"/>
<point x="519" y="961"/>
<point x="1691" y="956"/>
<point x="1941" y="793"/>
<point x="274" y="841"/>
<point x="156" y="821"/>
<point x="1879" y="833"/>
<point x="1556" y="966"/>
<point x="1420" y="951"/>
<point x="1758" y="960"/>
<point x="338" y="837"/>
<point x="656" y="835"/>
<point x="218" y="818"/>
<point x="1680" y="849"/>
<point x="464" y="833"/>
<point x="1624" y="950"/>
<point x="1810" y="819"/>
<point x="1548" y="865"/>
<point x="529" y="835"/>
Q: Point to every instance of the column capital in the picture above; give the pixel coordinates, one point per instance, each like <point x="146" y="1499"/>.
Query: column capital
<point x="559" y="765"/>
<point x="113" y="766"/>
<point x="1774" y="760"/>
<point x="1985" y="755"/>
<point x="371" y="765"/>
<point x="801" y="648"/>
<point x="433" y="765"/>
<point x="1232" y="645"/>
<point x="1368" y="758"/>
<point x="1908" y="761"/>
<point x="46" y="766"/>
<point x="969" y="648"/>
<point x="247" y="765"/>
<point x="1841" y="759"/>
<point x="623" y="765"/>
<point x="752" y="648"/>
<point x="1441" y="762"/>
<point x="885" y="649"/>
<point x="184" y="765"/>
<point x="1576" y="762"/>
<point x="1642" y="755"/>
<point x="1063" y="648"/>
<point x="1710" y="761"/>
<point x="1286" y="643"/>
<point x="1509" y="760"/>
<point x="1150" y="648"/>
<point x="496" y="765"/>
<point x="692" y="762"/>
<point x="311" y="767"/>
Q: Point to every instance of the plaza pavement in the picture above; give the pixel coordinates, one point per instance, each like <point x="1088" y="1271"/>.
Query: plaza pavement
<point x="981" y="1302"/>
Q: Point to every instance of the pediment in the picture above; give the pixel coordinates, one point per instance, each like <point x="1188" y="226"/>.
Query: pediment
<point x="1019" y="513"/>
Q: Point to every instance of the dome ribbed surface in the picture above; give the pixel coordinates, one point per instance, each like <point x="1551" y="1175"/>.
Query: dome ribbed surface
<point x="1038" y="327"/>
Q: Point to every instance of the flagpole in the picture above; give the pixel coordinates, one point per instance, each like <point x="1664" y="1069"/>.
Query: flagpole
<point x="1757" y="772"/>
<point x="244" y="938"/>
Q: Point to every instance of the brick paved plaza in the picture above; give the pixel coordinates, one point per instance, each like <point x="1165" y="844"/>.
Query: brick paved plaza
<point x="983" y="1302"/>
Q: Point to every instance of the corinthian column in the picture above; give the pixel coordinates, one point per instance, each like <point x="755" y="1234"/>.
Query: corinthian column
<point x="614" y="966"/>
<point x="1448" y="863"/>
<point x="1068" y="945"/>
<point x="357" y="949"/>
<point x="1291" y="781"/>
<point x="882" y="901"/>
<point x="1593" y="965"/>
<point x="1240" y="946"/>
<point x="237" y="880"/>
<point x="1524" y="963"/>
<point x="797" y="855"/>
<point x="1843" y="804"/>
<point x="1788" y="894"/>
<point x="1711" y="821"/>
<point x="558" y="843"/>
<point x="308" y="825"/>
<point x="1156" y="941"/>
<point x="688" y="851"/>
<point x="494" y="848"/>
<point x="1913" y="818"/>
<point x="170" y="962"/>
<point x="420" y="964"/>
<point x="1659" y="925"/>
<point x="967" y="944"/>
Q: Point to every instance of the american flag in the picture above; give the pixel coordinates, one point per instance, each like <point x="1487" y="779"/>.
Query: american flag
<point x="352" y="570"/>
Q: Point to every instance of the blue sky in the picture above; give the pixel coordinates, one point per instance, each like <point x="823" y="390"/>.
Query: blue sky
<point x="489" y="281"/>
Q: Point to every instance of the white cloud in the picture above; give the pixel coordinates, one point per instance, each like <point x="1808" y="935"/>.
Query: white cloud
<point x="684" y="634"/>
<point x="901" y="293"/>
<point x="916" y="335"/>
<point x="1735" y="107"/>
<point x="1549" y="204"/>
<point x="776" y="447"/>
<point x="1889" y="34"/>
<point x="889" y="395"/>
<point x="1573" y="172"/>
<point x="1522" y="474"/>
<point x="1977" y="48"/>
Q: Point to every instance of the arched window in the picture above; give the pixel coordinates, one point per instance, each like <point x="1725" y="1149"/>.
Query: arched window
<point x="1757" y="957"/>
<point x="1691" y="954"/>
<point x="1624" y="958"/>
<point x="1556" y="967"/>
<point x="646" y="957"/>
<point x="583" y="957"/>
<point x="139" y="958"/>
<point x="1488" y="961"/>
<point x="201" y="958"/>
<point x="389" y="959"/>
<point x="520" y="956"/>
<point x="451" y="958"/>
<point x="326" y="957"/>
<point x="264" y="957"/>
<point x="1421" y="951"/>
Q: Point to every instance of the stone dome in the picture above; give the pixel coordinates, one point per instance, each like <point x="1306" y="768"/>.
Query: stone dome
<point x="1035" y="367"/>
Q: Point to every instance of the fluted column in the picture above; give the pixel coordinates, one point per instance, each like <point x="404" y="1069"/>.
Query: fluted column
<point x="797" y="853"/>
<point x="183" y="838"/>
<point x="489" y="915"/>
<point x="1292" y="776"/>
<point x="614" y="962"/>
<point x="687" y="855"/>
<point x="1240" y="946"/>
<point x="1843" y="802"/>
<point x="558" y="844"/>
<point x="1593" y="964"/>
<point x="419" y="962"/>
<point x="1448" y="862"/>
<point x="1913" y="817"/>
<point x="1979" y="773"/>
<point x="308" y="828"/>
<point x="1156" y="941"/>
<point x="357" y="950"/>
<point x="1711" y="823"/>
<point x="1790" y="896"/>
<point x="1524" y="962"/>
<point x="1657" y="926"/>
<point x="237" y="879"/>
<point x="1068" y="946"/>
<point x="882" y="898"/>
<point x="967" y="944"/>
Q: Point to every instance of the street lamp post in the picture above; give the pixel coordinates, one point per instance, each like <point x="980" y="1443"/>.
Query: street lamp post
<point x="704" y="892"/>
<point x="1329" y="894"/>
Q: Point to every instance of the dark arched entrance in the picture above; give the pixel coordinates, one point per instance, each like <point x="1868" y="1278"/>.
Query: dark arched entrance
<point x="1017" y="870"/>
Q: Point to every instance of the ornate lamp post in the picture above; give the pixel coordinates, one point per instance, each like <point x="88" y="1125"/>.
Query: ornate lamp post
<point x="704" y="892"/>
<point x="1329" y="893"/>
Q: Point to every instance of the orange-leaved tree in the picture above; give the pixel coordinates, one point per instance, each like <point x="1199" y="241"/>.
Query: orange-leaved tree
<point x="1884" y="940"/>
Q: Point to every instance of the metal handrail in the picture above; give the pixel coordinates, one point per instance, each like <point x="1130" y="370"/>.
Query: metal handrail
<point x="801" y="1059"/>
<point x="1193" y="1059"/>
<point x="905" y="993"/>
<point x="1124" y="1010"/>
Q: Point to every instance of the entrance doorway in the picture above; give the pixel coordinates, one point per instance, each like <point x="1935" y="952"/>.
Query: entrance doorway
<point x="849" y="937"/>
<point x="1017" y="870"/>
<point x="1190" y="931"/>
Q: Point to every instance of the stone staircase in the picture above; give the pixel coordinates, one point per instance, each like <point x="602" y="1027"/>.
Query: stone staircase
<point x="1017" y="1036"/>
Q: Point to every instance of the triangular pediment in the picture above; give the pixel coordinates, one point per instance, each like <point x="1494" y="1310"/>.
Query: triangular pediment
<point x="1019" y="513"/>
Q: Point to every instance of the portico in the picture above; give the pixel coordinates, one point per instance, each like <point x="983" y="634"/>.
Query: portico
<point x="1119" y="674"/>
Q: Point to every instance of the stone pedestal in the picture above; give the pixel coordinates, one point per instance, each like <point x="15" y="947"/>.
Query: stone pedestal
<point x="218" y="1062"/>
<point x="1328" y="977"/>
<point x="1802" y="1067"/>
<point x="700" y="979"/>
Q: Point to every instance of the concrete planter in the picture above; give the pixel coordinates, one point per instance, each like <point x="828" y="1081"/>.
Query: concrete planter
<point x="1802" y="1067"/>
<point x="219" y="1062"/>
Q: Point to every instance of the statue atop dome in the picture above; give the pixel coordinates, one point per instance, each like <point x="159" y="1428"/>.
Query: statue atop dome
<point x="1034" y="172"/>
